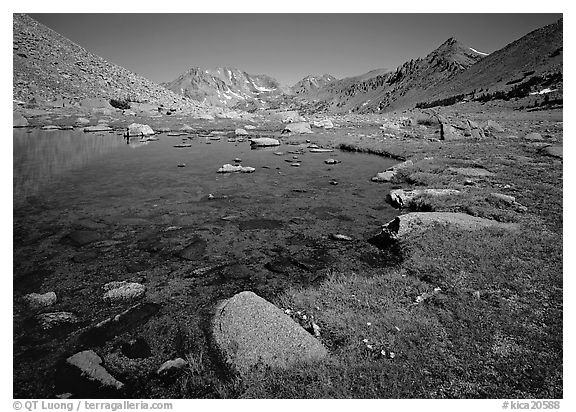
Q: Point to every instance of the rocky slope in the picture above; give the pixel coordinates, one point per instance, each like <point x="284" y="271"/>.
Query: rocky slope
<point x="535" y="58"/>
<point x="382" y="90"/>
<point x="49" y="67"/>
<point x="226" y="87"/>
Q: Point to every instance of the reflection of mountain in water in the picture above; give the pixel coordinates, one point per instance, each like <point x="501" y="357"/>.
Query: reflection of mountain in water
<point x="41" y="156"/>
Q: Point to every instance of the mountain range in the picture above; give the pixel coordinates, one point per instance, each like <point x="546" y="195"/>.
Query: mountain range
<point x="47" y="67"/>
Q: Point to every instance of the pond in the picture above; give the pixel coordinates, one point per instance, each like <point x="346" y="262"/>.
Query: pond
<point x="90" y="209"/>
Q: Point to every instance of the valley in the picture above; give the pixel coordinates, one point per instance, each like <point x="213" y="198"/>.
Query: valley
<point x="393" y="235"/>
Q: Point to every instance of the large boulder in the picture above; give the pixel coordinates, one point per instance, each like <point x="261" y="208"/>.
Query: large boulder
<point x="137" y="129"/>
<point x="18" y="120"/>
<point x="250" y="331"/>
<point x="404" y="197"/>
<point x="405" y="225"/>
<point x="264" y="141"/>
<point x="297" y="128"/>
<point x="491" y="127"/>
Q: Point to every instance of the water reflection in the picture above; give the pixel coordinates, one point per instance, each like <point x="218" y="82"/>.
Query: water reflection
<point x="41" y="156"/>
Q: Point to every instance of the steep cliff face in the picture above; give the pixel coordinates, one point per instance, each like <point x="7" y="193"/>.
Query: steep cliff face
<point x="48" y="67"/>
<point x="312" y="83"/>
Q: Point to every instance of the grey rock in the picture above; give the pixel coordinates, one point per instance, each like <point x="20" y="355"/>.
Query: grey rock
<point x="415" y="222"/>
<point x="491" y="127"/>
<point x="325" y="123"/>
<point x="123" y="291"/>
<point x="533" y="136"/>
<point x="471" y="171"/>
<point x="92" y="375"/>
<point x="249" y="331"/>
<point x="37" y="300"/>
<point x="18" y="120"/>
<point x="403" y="197"/>
<point x="137" y="129"/>
<point x="171" y="367"/>
<point x="389" y="174"/>
<point x="554" y="151"/>
<point x="228" y="168"/>
<point x="297" y="128"/>
<point x="240" y="132"/>
<point x="98" y="128"/>
<point x="56" y="319"/>
<point x="264" y="141"/>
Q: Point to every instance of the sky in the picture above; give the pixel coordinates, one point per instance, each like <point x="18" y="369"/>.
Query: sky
<point x="287" y="47"/>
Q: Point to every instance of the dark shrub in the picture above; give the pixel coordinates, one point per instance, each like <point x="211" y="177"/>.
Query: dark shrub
<point x="120" y="104"/>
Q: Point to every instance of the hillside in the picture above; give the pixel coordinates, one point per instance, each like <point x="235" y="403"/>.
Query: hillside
<point x="533" y="61"/>
<point x="382" y="90"/>
<point x="49" y="67"/>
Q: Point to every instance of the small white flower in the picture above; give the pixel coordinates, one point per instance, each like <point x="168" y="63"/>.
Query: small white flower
<point x="304" y="317"/>
<point x="365" y="340"/>
<point x="437" y="289"/>
<point x="392" y="355"/>
<point x="369" y="346"/>
<point x="383" y="352"/>
<point x="369" y="323"/>
<point x="397" y="328"/>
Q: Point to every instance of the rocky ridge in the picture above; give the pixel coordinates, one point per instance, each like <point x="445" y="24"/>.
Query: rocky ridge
<point x="49" y="68"/>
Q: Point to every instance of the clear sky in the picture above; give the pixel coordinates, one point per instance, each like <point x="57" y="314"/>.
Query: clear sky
<point x="285" y="46"/>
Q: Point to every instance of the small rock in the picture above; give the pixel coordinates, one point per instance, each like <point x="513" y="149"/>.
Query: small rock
<point x="238" y="160"/>
<point x="533" y="136"/>
<point x="332" y="161"/>
<point x="321" y="150"/>
<point x="228" y="168"/>
<point x="99" y="128"/>
<point x="50" y="127"/>
<point x="337" y="236"/>
<point x="171" y="368"/>
<point x="37" y="300"/>
<point x="264" y="142"/>
<point x="240" y="132"/>
<point x="249" y="127"/>
<point x="181" y="164"/>
<point x="326" y="124"/>
<point x="123" y="291"/>
<point x="56" y="319"/>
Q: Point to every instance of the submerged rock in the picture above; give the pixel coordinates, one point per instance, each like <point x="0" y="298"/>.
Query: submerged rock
<point x="228" y="168"/>
<point x="332" y="161"/>
<point x="98" y="128"/>
<point x="264" y="141"/>
<point x="250" y="331"/>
